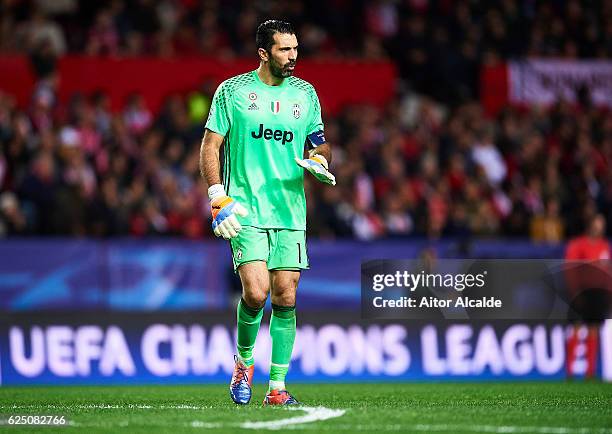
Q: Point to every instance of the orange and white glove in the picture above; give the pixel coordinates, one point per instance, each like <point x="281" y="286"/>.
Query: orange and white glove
<point x="224" y="210"/>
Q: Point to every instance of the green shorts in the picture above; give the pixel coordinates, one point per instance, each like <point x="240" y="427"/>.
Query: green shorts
<point x="279" y="248"/>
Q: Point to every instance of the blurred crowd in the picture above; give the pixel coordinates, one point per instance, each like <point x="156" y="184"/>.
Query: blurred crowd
<point x="437" y="44"/>
<point x="428" y="164"/>
<point x="420" y="168"/>
<point x="414" y="168"/>
<point x="80" y="169"/>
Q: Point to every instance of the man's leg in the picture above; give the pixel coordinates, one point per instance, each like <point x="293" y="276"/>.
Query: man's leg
<point x="282" y="324"/>
<point x="255" y="287"/>
<point x="287" y="257"/>
<point x="250" y="252"/>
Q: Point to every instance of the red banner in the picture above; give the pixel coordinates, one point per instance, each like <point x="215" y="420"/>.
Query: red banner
<point x="17" y="78"/>
<point x="494" y="88"/>
<point x="337" y="82"/>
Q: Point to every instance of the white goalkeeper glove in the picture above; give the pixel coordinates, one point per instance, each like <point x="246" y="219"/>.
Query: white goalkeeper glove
<point x="317" y="165"/>
<point x="224" y="210"/>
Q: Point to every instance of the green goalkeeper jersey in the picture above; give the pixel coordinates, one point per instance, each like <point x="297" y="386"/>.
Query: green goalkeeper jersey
<point x="265" y="128"/>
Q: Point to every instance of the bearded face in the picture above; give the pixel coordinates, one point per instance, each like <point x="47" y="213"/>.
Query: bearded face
<point x="283" y="55"/>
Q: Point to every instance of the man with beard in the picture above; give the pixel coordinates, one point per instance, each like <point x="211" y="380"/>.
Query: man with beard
<point x="264" y="118"/>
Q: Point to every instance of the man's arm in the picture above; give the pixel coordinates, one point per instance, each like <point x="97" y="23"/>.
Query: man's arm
<point x="210" y="166"/>
<point x="319" y="157"/>
<point x="317" y="163"/>
<point x="324" y="150"/>
<point x="223" y="208"/>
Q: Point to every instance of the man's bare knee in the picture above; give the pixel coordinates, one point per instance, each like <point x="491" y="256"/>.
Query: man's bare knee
<point x="254" y="299"/>
<point x="255" y="283"/>
<point x="284" y="286"/>
<point x="283" y="298"/>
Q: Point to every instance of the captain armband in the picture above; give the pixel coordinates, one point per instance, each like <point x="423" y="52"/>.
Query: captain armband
<point x="317" y="138"/>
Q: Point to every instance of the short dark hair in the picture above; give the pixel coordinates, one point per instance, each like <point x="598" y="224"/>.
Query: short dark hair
<point x="264" y="38"/>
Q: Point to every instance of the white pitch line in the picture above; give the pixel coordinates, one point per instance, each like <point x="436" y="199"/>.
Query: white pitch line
<point x="313" y="414"/>
<point x="209" y="425"/>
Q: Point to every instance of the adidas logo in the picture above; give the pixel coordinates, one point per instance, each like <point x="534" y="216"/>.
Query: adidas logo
<point x="253" y="107"/>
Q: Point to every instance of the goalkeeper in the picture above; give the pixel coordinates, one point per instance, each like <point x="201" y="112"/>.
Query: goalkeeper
<point x="264" y="118"/>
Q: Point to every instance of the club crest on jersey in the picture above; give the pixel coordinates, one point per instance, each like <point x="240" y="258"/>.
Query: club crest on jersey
<point x="296" y="111"/>
<point x="275" y="107"/>
<point x="252" y="96"/>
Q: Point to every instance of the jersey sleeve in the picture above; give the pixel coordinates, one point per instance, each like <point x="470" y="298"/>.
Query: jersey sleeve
<point x="314" y="131"/>
<point x="316" y="123"/>
<point x="220" y="113"/>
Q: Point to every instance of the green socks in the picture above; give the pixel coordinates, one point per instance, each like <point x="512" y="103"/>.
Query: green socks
<point x="248" y="325"/>
<point x="282" y="331"/>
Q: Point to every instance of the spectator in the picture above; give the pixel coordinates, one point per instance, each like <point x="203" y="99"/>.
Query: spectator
<point x="39" y="191"/>
<point x="136" y="116"/>
<point x="103" y="37"/>
<point x="40" y="29"/>
<point x="489" y="159"/>
<point x="589" y="291"/>
<point x="547" y="227"/>
<point x="12" y="220"/>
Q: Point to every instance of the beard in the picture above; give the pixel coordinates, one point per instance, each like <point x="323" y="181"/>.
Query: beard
<point x="280" y="71"/>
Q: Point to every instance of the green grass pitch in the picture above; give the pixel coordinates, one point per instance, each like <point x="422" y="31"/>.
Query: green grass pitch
<point x="555" y="408"/>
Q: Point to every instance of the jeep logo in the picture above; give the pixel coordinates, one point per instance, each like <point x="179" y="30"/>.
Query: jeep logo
<point x="285" y="136"/>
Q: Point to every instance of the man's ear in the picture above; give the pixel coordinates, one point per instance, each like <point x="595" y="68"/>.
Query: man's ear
<point x="263" y="54"/>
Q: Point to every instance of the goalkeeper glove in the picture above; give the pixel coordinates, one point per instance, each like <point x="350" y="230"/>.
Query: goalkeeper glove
<point x="224" y="210"/>
<point x="317" y="165"/>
